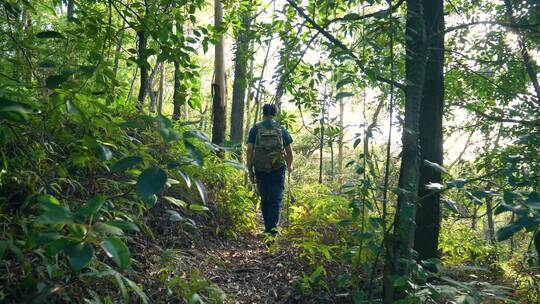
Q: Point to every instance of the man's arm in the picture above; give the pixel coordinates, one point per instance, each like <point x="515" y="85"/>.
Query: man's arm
<point x="249" y="159"/>
<point x="289" y="157"/>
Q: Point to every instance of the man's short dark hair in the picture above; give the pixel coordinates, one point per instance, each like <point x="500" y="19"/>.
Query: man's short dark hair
<point x="269" y="110"/>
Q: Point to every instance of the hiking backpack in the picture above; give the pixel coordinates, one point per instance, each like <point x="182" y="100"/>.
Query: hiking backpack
<point x="268" y="154"/>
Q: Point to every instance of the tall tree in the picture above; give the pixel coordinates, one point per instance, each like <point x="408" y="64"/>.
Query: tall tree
<point x="240" y="75"/>
<point x="428" y="214"/>
<point x="399" y="252"/>
<point x="219" y="103"/>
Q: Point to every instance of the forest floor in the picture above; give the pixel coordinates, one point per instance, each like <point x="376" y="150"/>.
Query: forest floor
<point x="245" y="268"/>
<point x="248" y="271"/>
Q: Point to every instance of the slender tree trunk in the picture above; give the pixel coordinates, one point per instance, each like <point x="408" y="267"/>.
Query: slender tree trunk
<point x="428" y="214"/>
<point x="141" y="36"/>
<point x="489" y="215"/>
<point x="399" y="255"/>
<point x="186" y="111"/>
<point x="259" y="87"/>
<point x="70" y="10"/>
<point x="249" y="96"/>
<point x="340" y="139"/>
<point x="178" y="96"/>
<point x="219" y="104"/>
<point x="331" y="145"/>
<point x="132" y="83"/>
<point x="118" y="50"/>
<point x="321" y="143"/>
<point x="161" y="88"/>
<point x="240" y="78"/>
<point x="150" y="89"/>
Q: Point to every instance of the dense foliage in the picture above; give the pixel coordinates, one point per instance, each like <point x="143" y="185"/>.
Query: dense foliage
<point x="107" y="173"/>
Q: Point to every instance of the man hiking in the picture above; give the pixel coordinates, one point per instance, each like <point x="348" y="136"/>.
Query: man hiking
<point x="269" y="153"/>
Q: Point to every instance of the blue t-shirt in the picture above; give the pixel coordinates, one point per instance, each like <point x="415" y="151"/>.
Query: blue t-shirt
<point x="287" y="139"/>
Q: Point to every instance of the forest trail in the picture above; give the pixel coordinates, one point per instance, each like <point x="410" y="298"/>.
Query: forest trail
<point x="247" y="270"/>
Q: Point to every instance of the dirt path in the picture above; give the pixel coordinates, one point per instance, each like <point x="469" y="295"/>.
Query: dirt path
<point x="248" y="271"/>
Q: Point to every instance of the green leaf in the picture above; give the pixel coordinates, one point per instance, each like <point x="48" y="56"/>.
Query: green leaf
<point x="150" y="201"/>
<point x="533" y="200"/>
<point x="175" y="201"/>
<point x="195" y="152"/>
<point x="118" y="251"/>
<point x="124" y="225"/>
<point x="344" y="82"/>
<point x="93" y="205"/>
<point x="450" y="204"/>
<point x="55" y="81"/>
<point x="186" y="178"/>
<point x="195" y="299"/>
<point x="107" y="229"/>
<point x="151" y="181"/>
<point x="507" y="232"/>
<point x="435" y="166"/>
<point x="236" y="165"/>
<point x="79" y="255"/>
<point x="14" y="111"/>
<point x="104" y="153"/>
<point x="202" y="190"/>
<point x="341" y="95"/>
<point x="198" y="208"/>
<point x="457" y="183"/>
<point x="126" y="163"/>
<point x="49" y="35"/>
<point x="174" y="216"/>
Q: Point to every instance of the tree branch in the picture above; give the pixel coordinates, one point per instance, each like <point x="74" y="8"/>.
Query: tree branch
<point x="381" y="13"/>
<point x="503" y="24"/>
<point x="340" y="44"/>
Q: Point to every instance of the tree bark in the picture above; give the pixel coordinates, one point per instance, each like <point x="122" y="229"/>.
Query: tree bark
<point x="340" y="139"/>
<point x="399" y="255"/>
<point x="178" y="97"/>
<point x="428" y="214"/>
<point x="150" y="89"/>
<point x="70" y="10"/>
<point x="219" y="104"/>
<point x="240" y="78"/>
<point x="141" y="36"/>
<point x="161" y="88"/>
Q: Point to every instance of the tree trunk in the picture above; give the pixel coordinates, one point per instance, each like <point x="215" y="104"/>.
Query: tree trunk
<point x="150" y="89"/>
<point x="399" y="254"/>
<point x="490" y="222"/>
<point x="161" y="88"/>
<point x="141" y="35"/>
<point x="321" y="143"/>
<point x="178" y="97"/>
<point x="428" y="214"/>
<point x="249" y="96"/>
<point x="259" y="86"/>
<point x="70" y="10"/>
<point x="219" y="104"/>
<point x="340" y="139"/>
<point x="240" y="78"/>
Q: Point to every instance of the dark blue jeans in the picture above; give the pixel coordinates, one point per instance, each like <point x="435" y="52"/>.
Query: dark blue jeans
<point x="271" y="186"/>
